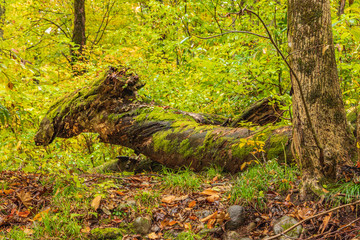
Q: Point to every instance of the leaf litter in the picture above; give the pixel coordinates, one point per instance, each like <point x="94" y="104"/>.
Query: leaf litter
<point x="28" y="198"/>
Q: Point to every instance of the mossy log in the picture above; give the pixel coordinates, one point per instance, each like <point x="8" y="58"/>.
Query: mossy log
<point x="111" y="108"/>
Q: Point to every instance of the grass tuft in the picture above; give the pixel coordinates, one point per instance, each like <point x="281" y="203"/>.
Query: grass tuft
<point x="182" y="181"/>
<point x="252" y="185"/>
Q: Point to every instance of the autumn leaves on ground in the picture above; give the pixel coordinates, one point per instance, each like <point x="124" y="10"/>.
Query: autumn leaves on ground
<point x="166" y="205"/>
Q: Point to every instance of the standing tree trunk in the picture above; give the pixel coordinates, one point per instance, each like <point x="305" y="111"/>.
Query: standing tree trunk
<point x="78" y="38"/>
<point x="358" y="134"/>
<point x="2" y="18"/>
<point x="313" y="60"/>
<point x="342" y="4"/>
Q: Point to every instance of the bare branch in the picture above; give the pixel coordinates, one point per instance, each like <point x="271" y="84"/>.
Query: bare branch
<point x="233" y="31"/>
<point x="57" y="25"/>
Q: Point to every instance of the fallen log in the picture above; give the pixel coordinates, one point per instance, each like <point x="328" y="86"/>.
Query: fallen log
<point x="111" y="108"/>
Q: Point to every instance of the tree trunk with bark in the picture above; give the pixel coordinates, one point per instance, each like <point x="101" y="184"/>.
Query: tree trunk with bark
<point x="313" y="60"/>
<point x="341" y="9"/>
<point x="168" y="136"/>
<point x="78" y="37"/>
<point x="2" y="18"/>
<point x="358" y="134"/>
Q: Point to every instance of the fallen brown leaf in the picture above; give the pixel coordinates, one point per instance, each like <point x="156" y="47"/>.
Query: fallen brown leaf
<point x="212" y="198"/>
<point x="171" y="223"/>
<point x="325" y="222"/>
<point x="192" y="204"/>
<point x="288" y="197"/>
<point x="23" y="214"/>
<point x="25" y="198"/>
<point x="209" y="192"/>
<point x="96" y="202"/>
<point x="168" y="199"/>
<point x="214" y="215"/>
<point x="7" y="192"/>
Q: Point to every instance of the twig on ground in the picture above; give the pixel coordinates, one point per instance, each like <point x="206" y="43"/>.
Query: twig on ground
<point x="309" y="218"/>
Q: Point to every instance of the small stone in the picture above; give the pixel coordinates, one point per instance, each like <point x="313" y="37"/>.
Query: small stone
<point x="251" y="226"/>
<point x="155" y="228"/>
<point x="142" y="225"/>
<point x="284" y="223"/>
<point x="203" y="214"/>
<point x="232" y="235"/>
<point x="107" y="233"/>
<point x="130" y="203"/>
<point x="237" y="217"/>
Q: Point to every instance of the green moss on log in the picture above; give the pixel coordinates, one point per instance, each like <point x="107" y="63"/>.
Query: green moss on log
<point x="277" y="145"/>
<point x="185" y="148"/>
<point x="160" y="114"/>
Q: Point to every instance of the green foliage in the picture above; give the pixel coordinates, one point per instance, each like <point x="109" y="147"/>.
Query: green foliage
<point x="252" y="185"/>
<point x="4" y="114"/>
<point x="344" y="192"/>
<point x="213" y="171"/>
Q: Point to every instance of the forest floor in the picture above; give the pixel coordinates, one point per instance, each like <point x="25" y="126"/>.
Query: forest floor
<point x="181" y="205"/>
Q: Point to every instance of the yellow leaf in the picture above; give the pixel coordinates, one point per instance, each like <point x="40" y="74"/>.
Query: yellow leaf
<point x="243" y="166"/>
<point x="152" y="235"/>
<point x="85" y="230"/>
<point x="96" y="202"/>
<point x="40" y="215"/>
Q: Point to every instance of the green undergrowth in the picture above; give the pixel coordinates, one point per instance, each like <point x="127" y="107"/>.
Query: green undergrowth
<point x="183" y="180"/>
<point x="251" y="186"/>
<point x="343" y="192"/>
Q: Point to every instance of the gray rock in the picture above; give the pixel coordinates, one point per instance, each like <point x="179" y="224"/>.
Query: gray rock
<point x="203" y="214"/>
<point x="237" y="217"/>
<point x="142" y="225"/>
<point x="107" y="233"/>
<point x="284" y="223"/>
<point x="231" y="235"/>
<point x="155" y="228"/>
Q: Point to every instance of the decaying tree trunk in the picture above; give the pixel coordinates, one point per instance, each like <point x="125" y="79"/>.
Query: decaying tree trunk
<point x="168" y="136"/>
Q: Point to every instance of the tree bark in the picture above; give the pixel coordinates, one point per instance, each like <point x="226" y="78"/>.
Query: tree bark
<point x="78" y="38"/>
<point x="2" y="18"/>
<point x="313" y="60"/>
<point x="358" y="135"/>
<point x="171" y="137"/>
<point x="341" y="10"/>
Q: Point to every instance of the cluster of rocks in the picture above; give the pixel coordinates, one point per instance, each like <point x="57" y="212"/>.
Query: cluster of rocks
<point x="143" y="225"/>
